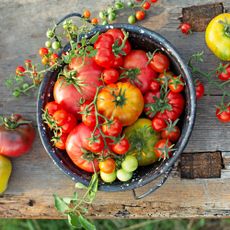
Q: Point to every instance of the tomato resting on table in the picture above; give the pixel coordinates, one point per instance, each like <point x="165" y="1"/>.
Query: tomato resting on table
<point x="117" y="109"/>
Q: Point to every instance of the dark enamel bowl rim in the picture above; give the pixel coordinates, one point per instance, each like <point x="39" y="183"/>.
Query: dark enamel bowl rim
<point x="135" y="184"/>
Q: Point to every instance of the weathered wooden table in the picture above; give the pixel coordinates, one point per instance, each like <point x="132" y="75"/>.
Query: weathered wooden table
<point x="35" y="178"/>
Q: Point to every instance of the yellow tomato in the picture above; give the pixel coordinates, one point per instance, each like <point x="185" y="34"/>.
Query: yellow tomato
<point x="5" y="171"/>
<point x="122" y="100"/>
<point x="217" y="36"/>
<point x="142" y="139"/>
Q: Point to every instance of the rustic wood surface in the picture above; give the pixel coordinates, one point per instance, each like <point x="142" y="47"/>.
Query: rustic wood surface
<point x="35" y="178"/>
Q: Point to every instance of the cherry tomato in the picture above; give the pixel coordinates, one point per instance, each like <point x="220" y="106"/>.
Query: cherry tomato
<point x="60" y="144"/>
<point x="158" y="124"/>
<point x="155" y="85"/>
<point x="89" y="119"/>
<point x="96" y="145"/>
<point x="43" y="51"/>
<point x="122" y="175"/>
<point x="176" y="84"/>
<point x="94" y="21"/>
<point x="172" y="134"/>
<point x="146" y="5"/>
<point x="160" y="62"/>
<point x="223" y="114"/>
<point x="130" y="163"/>
<point x="112" y="128"/>
<point x="108" y="177"/>
<point x="20" y="70"/>
<point x="110" y="76"/>
<point x="108" y="165"/>
<point x="45" y="60"/>
<point x="185" y="28"/>
<point x="131" y="19"/>
<point x="199" y="89"/>
<point x="140" y="15"/>
<point x="153" y="1"/>
<point x="86" y="14"/>
<point x="118" y="62"/>
<point x="224" y="76"/>
<point x="28" y="63"/>
<point x="60" y="116"/>
<point x="121" y="147"/>
<point x="52" y="107"/>
<point x="163" y="149"/>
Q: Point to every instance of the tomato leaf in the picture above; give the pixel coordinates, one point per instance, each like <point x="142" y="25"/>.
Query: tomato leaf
<point x="74" y="221"/>
<point x="80" y="185"/>
<point x="60" y="204"/>
<point x="92" y="53"/>
<point x="86" y="224"/>
<point x="93" y="187"/>
<point x="67" y="200"/>
<point x="93" y="39"/>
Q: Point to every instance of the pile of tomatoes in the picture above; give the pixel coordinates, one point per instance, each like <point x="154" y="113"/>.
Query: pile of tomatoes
<point x="117" y="110"/>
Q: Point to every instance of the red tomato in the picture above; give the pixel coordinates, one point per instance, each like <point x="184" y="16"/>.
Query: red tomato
<point x="176" y="84"/>
<point x="105" y="57"/>
<point x="108" y="165"/>
<point x="52" y="107"/>
<point x="140" y="15"/>
<point x="155" y="85"/>
<point x="199" y="89"/>
<point x="158" y="124"/>
<point x="224" y="76"/>
<point x="76" y="147"/>
<point x="121" y="147"/>
<point x="153" y="1"/>
<point x="60" y="144"/>
<point x="146" y="5"/>
<point x="20" y="70"/>
<point x="112" y="128"/>
<point x="16" y="136"/>
<point x="110" y="76"/>
<point x="160" y="62"/>
<point x="88" y="76"/>
<point x="89" y="119"/>
<point x="163" y="149"/>
<point x="223" y="114"/>
<point x="138" y="60"/>
<point x="104" y="40"/>
<point x="43" y="51"/>
<point x="86" y="14"/>
<point x="118" y="62"/>
<point x="185" y="28"/>
<point x="172" y="134"/>
<point x="94" y="21"/>
<point x="95" y="145"/>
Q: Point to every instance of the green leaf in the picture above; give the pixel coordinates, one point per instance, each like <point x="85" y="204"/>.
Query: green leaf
<point x="89" y="48"/>
<point x="93" y="187"/>
<point x="67" y="200"/>
<point x="80" y="185"/>
<point x="74" y="221"/>
<point x="60" y="204"/>
<point x="87" y="225"/>
<point x="83" y="41"/>
<point x="92" y="53"/>
<point x="93" y="39"/>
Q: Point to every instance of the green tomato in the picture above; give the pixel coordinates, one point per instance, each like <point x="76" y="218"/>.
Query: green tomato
<point x="56" y="45"/>
<point x="130" y="163"/>
<point x="104" y="22"/>
<point x="123" y="175"/>
<point x="142" y="139"/>
<point x="131" y="19"/>
<point x="112" y="16"/>
<point x="119" y="5"/>
<point x="110" y="10"/>
<point x="108" y="177"/>
<point x="48" y="44"/>
<point x="130" y="4"/>
<point x="102" y="15"/>
<point x="49" y="34"/>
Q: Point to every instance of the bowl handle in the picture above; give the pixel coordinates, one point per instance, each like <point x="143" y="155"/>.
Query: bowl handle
<point x="164" y="177"/>
<point x="70" y="16"/>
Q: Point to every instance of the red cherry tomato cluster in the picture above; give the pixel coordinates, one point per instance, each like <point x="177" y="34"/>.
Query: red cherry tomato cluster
<point x="96" y="100"/>
<point x="47" y="57"/>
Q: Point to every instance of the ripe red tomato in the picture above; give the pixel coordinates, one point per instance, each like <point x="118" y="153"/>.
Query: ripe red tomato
<point x="223" y="114"/>
<point x="52" y="107"/>
<point x="105" y="57"/>
<point x="146" y="5"/>
<point x="163" y="149"/>
<point x="140" y="15"/>
<point x="104" y="40"/>
<point x="137" y="60"/>
<point x="110" y="76"/>
<point x="176" y="84"/>
<point x="185" y="28"/>
<point x="224" y="76"/>
<point x="20" y="70"/>
<point x="76" y="147"/>
<point x="172" y="134"/>
<point x="112" y="128"/>
<point x="16" y="136"/>
<point x="155" y="85"/>
<point x="118" y="62"/>
<point x="43" y="51"/>
<point x="121" y="147"/>
<point x="158" y="124"/>
<point x="199" y="89"/>
<point x="95" y="145"/>
<point x="68" y="95"/>
<point x="160" y="62"/>
<point x="60" y="143"/>
<point x="108" y="165"/>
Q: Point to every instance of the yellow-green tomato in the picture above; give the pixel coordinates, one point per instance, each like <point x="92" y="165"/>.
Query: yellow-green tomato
<point x="123" y="175"/>
<point x="108" y="177"/>
<point x="142" y="139"/>
<point x="217" y="36"/>
<point x="5" y="171"/>
<point x="130" y="163"/>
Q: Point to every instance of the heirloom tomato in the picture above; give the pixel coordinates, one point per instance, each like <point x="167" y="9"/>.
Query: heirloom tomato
<point x="163" y="149"/>
<point x="122" y="100"/>
<point x="70" y="91"/>
<point x="142" y="138"/>
<point x="77" y="147"/>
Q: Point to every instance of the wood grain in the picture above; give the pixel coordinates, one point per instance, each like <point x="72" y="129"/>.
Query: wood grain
<point x="35" y="178"/>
